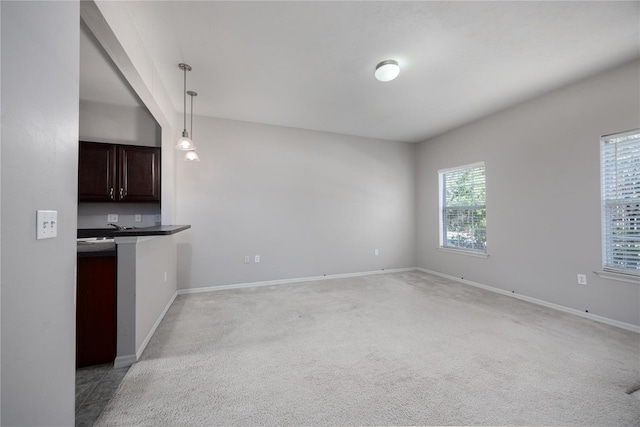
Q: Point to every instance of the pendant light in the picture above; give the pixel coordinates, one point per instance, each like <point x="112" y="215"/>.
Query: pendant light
<point x="185" y="143"/>
<point x="191" y="155"/>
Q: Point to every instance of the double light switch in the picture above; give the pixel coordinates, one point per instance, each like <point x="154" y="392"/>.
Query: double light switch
<point x="46" y="224"/>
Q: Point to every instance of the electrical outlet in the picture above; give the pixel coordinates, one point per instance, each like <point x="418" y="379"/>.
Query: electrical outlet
<point x="112" y="218"/>
<point x="138" y="218"/>
<point x="376" y="252"/>
<point x="246" y="259"/>
<point x="582" y="279"/>
<point x="158" y="218"/>
<point x="257" y="258"/>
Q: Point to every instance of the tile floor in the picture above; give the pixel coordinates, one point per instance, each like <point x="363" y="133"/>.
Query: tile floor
<point x="94" y="387"/>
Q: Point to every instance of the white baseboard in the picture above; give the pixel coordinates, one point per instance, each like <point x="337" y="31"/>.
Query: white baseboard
<point x="594" y="317"/>
<point x="124" y="361"/>
<point x="155" y="326"/>
<point x="286" y="281"/>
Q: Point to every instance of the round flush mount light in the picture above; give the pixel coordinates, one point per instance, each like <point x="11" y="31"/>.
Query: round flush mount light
<point x="387" y="70"/>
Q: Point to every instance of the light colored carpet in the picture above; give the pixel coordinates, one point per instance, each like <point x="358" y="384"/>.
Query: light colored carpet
<point x="392" y="349"/>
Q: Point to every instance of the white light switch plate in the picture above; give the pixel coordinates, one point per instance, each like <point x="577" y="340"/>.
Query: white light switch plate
<point x="46" y="224"/>
<point x="138" y="218"/>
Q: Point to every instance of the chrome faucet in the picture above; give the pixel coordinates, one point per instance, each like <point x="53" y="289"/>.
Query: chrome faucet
<point x="118" y="227"/>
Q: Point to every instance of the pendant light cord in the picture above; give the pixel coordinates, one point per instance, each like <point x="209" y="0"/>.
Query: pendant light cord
<point x="184" y="96"/>
<point x="191" y="94"/>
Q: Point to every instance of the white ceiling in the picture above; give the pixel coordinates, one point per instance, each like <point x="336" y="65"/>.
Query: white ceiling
<point x="310" y="64"/>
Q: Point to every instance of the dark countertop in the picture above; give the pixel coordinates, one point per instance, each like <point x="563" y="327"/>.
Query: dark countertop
<point x="158" y="230"/>
<point x="96" y="248"/>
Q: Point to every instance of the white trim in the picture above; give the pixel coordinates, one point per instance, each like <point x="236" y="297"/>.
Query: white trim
<point x="155" y="326"/>
<point x="440" y="216"/>
<point x="124" y="361"/>
<point x="441" y="197"/>
<point x="286" y="281"/>
<point x="594" y="317"/>
<point x="467" y="252"/>
<point x="590" y="316"/>
<point x="456" y="168"/>
<point x="623" y="134"/>
<point x="609" y="180"/>
<point x="621" y="277"/>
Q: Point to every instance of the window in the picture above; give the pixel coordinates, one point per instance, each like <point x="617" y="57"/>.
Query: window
<point x="620" y="169"/>
<point x="463" y="214"/>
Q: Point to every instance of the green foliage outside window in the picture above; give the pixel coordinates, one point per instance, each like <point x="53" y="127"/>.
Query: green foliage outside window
<point x="464" y="209"/>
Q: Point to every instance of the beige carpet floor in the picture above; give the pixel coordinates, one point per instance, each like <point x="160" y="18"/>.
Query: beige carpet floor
<point x="392" y="349"/>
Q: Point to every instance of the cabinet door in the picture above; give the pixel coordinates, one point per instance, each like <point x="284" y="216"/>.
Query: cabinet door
<point x="97" y="172"/>
<point x="96" y="311"/>
<point x="139" y="174"/>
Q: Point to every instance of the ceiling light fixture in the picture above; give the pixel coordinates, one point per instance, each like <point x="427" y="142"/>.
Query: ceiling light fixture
<point x="191" y="155"/>
<point x="185" y="143"/>
<point x="387" y="70"/>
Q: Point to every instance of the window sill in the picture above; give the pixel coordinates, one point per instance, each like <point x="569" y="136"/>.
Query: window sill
<point x="621" y="277"/>
<point x="476" y="254"/>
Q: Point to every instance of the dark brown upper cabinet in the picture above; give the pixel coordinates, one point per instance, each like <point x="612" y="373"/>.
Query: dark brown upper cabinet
<point x="118" y="173"/>
<point x="139" y="173"/>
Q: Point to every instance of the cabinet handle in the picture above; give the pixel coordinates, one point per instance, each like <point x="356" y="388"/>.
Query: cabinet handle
<point x="111" y="193"/>
<point x="121" y="193"/>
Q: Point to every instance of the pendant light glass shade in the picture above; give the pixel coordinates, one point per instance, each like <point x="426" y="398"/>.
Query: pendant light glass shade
<point x="185" y="143"/>
<point x="191" y="156"/>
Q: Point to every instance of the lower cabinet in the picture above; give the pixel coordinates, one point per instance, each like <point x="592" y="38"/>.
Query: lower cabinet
<point x="96" y="310"/>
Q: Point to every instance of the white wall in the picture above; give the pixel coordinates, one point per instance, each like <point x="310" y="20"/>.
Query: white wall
<point x="309" y="203"/>
<point x="94" y="215"/>
<point x="118" y="124"/>
<point x="143" y="291"/>
<point x="543" y="194"/>
<point x="155" y="258"/>
<point x="40" y="48"/>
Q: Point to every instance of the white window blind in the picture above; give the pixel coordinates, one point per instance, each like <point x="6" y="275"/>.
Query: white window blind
<point x="620" y="169"/>
<point x="463" y="208"/>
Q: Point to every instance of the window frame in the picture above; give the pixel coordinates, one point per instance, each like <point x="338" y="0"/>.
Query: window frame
<point x="482" y="253"/>
<point x="609" y="271"/>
